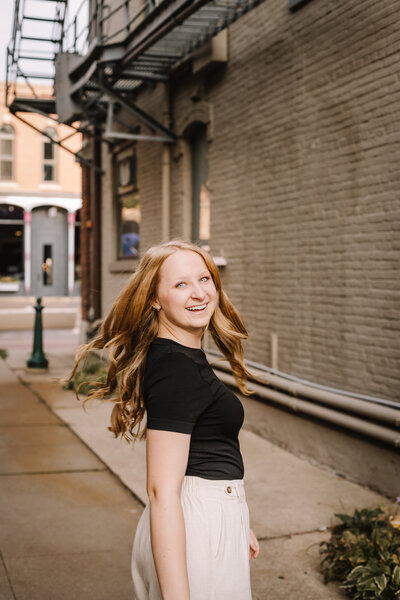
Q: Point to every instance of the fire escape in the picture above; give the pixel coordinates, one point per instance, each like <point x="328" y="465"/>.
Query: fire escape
<point x="93" y="65"/>
<point x="97" y="62"/>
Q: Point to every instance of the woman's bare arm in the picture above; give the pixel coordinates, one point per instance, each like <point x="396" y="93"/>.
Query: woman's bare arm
<point x="167" y="456"/>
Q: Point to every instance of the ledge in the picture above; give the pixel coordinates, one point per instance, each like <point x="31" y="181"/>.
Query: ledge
<point x="220" y="261"/>
<point x="127" y="265"/>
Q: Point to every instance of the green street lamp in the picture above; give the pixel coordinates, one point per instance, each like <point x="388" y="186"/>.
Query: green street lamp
<point x="38" y="359"/>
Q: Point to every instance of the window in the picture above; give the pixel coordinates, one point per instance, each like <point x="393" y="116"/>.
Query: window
<point x="6" y="152"/>
<point x="49" y="155"/>
<point x="200" y="189"/>
<point x="128" y="204"/>
<point x="47" y="264"/>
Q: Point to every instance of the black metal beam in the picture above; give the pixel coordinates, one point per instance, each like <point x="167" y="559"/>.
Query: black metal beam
<point x="45" y="105"/>
<point x="38" y="39"/>
<point x="76" y="154"/>
<point x="136" y="111"/>
<point x="28" y="18"/>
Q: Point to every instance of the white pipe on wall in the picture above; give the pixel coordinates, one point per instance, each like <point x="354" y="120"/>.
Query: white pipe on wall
<point x="166" y="192"/>
<point x="342" y="402"/>
<point x="27" y="250"/>
<point x="378" y="432"/>
<point x="71" y="251"/>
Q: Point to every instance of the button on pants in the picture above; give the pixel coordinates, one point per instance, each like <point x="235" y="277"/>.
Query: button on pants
<point x="217" y="527"/>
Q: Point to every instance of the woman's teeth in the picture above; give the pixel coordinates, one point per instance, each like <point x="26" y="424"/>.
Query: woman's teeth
<point x="197" y="308"/>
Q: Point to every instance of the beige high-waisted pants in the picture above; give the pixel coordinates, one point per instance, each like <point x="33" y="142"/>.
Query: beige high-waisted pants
<point x="217" y="543"/>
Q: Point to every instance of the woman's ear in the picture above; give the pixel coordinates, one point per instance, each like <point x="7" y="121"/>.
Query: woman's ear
<point x="156" y="306"/>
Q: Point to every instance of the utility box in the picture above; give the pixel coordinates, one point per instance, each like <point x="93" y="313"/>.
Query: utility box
<point x="67" y="108"/>
<point x="212" y="53"/>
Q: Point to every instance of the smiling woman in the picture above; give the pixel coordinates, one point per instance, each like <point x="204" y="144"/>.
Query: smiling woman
<point x="193" y="539"/>
<point x="186" y="298"/>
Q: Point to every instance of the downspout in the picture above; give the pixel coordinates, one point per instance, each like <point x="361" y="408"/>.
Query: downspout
<point x="166" y="169"/>
<point x="85" y="251"/>
<point x="96" y="193"/>
<point x="287" y="391"/>
<point x="166" y="192"/>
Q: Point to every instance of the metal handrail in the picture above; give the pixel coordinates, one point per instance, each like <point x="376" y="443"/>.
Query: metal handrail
<point x="100" y="20"/>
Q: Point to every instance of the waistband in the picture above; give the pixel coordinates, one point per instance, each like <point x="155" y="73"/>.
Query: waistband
<point x="218" y="489"/>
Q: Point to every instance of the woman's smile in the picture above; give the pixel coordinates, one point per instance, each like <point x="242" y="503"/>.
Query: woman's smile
<point x="197" y="308"/>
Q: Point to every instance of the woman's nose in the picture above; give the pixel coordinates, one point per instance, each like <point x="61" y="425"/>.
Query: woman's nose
<point x="197" y="291"/>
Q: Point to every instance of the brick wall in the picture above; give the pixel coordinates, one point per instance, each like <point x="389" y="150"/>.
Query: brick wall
<point x="310" y="162"/>
<point x="304" y="179"/>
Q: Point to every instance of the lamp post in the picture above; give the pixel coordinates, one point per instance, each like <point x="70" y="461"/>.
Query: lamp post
<point x="38" y="359"/>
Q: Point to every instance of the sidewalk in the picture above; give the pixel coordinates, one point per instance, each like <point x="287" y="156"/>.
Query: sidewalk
<point x="68" y="523"/>
<point x="17" y="312"/>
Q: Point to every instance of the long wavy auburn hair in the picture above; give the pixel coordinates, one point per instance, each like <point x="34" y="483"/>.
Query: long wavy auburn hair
<point x="132" y="324"/>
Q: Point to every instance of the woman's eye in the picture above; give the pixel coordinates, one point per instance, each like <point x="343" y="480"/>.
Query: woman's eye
<point x="182" y="283"/>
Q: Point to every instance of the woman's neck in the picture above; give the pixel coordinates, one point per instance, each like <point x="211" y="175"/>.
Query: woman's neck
<point x="186" y="338"/>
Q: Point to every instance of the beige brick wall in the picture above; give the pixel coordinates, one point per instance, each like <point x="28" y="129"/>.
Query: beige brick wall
<point x="303" y="171"/>
<point x="28" y="153"/>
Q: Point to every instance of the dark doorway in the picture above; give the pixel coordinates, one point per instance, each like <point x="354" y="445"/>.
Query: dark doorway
<point x="11" y="245"/>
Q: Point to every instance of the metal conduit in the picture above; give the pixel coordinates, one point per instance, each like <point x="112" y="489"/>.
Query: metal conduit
<point x="340" y="401"/>
<point x="263" y="369"/>
<point x="384" y="434"/>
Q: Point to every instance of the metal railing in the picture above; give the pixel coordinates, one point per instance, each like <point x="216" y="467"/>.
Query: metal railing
<point x="106" y="23"/>
<point x="69" y="33"/>
<point x="35" y="41"/>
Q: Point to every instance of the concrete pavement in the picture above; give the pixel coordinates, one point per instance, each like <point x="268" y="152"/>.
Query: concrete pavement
<point x="68" y="523"/>
<point x="17" y="312"/>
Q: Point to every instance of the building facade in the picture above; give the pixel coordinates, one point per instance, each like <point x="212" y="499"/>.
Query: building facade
<point x="294" y="139"/>
<point x="267" y="132"/>
<point x="40" y="196"/>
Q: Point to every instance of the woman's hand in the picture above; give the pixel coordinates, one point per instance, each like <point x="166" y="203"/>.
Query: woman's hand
<point x="254" y="546"/>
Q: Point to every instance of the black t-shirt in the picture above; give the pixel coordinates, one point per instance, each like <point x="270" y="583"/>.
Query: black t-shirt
<point x="183" y="394"/>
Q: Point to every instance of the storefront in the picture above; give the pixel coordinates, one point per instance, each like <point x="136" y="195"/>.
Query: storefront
<point x="39" y="248"/>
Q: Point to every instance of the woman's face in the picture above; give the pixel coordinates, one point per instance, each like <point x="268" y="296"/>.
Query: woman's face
<point x="186" y="294"/>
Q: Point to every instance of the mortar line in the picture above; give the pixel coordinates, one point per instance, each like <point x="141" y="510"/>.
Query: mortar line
<point x="42" y="554"/>
<point x="32" y="425"/>
<point x="61" y="472"/>
<point x="8" y="576"/>
<point x="296" y="533"/>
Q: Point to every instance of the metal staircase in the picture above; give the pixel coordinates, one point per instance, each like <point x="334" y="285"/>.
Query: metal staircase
<point x="36" y="40"/>
<point x="99" y="60"/>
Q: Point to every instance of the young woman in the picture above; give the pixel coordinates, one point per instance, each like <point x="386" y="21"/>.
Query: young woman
<point x="193" y="540"/>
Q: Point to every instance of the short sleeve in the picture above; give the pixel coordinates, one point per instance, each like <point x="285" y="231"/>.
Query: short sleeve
<point x="175" y="393"/>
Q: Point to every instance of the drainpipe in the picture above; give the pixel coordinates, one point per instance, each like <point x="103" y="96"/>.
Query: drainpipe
<point x="71" y="252"/>
<point x="27" y="250"/>
<point x="95" y="211"/>
<point x="287" y="390"/>
<point x="166" y="192"/>
<point x="166" y="167"/>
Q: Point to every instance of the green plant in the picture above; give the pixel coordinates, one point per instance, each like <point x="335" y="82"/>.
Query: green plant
<point x="3" y="353"/>
<point x="364" y="554"/>
<point x="93" y="371"/>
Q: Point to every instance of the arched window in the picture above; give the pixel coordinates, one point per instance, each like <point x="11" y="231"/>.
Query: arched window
<point x="49" y="155"/>
<point x="6" y="152"/>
